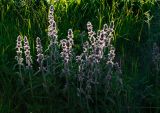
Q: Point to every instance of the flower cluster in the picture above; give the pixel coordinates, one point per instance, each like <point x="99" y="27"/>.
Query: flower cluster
<point x="100" y="42"/>
<point x="67" y="46"/>
<point x="52" y="31"/>
<point x="93" y="53"/>
<point x="99" y="47"/>
<point x="19" y="51"/>
<point x="94" y="69"/>
<point x="40" y="56"/>
<point x="27" y="53"/>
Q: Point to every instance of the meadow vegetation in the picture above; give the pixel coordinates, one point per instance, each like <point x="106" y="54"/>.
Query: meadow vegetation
<point x="79" y="56"/>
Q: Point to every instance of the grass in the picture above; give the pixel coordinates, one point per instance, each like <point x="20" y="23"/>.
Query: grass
<point x="136" y="29"/>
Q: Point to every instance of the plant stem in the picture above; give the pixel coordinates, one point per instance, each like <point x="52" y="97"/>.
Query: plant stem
<point x="67" y="79"/>
<point x="20" y="73"/>
<point x="31" y="85"/>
